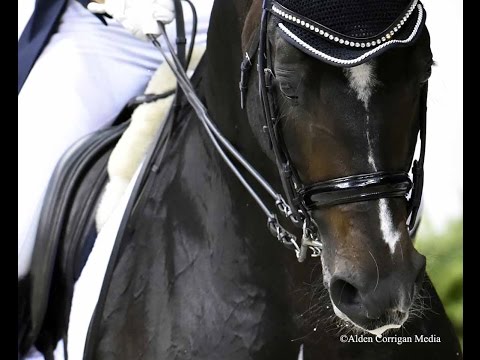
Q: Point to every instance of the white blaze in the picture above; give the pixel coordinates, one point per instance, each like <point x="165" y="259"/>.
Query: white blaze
<point x="362" y="80"/>
<point x="390" y="234"/>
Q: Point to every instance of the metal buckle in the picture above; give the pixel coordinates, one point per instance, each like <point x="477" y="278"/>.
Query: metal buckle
<point x="309" y="241"/>
<point x="247" y="57"/>
<point x="269" y="76"/>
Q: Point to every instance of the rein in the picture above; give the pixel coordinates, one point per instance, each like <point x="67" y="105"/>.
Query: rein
<point x="300" y="198"/>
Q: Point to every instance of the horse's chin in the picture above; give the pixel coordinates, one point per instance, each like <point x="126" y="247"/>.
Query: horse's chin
<point x="378" y="330"/>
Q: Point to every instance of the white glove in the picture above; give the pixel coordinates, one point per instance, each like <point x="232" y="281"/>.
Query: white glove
<point x="137" y="16"/>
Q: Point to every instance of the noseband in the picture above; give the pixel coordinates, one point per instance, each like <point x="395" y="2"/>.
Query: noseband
<point x="301" y="199"/>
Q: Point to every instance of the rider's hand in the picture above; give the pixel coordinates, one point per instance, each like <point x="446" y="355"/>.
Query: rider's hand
<point x="137" y="16"/>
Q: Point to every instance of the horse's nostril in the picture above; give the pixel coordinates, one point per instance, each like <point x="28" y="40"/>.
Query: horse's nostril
<point x="344" y="294"/>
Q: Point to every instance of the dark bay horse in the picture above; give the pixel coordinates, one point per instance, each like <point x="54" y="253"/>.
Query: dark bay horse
<point x="195" y="274"/>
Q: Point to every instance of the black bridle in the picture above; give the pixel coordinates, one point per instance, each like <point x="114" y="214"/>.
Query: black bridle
<point x="300" y="198"/>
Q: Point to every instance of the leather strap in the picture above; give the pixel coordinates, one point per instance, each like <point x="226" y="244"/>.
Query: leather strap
<point x="356" y="188"/>
<point x="181" y="42"/>
<point x="246" y="67"/>
<point x="266" y="78"/>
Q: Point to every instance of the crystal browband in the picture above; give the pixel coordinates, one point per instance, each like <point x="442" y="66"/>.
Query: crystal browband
<point x="333" y="36"/>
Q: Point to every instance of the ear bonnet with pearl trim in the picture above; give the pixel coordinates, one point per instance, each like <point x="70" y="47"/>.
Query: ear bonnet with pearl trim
<point x="348" y="33"/>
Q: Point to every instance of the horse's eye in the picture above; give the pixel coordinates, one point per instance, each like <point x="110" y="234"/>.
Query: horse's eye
<point x="288" y="91"/>
<point x="288" y="83"/>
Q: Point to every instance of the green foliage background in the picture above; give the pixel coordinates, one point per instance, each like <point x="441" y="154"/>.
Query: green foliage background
<point x="444" y="252"/>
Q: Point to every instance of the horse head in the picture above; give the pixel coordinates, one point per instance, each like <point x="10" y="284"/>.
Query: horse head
<point x="340" y="117"/>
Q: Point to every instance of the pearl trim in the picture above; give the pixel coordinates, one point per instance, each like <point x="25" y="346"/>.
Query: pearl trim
<point x="292" y="18"/>
<point x="363" y="56"/>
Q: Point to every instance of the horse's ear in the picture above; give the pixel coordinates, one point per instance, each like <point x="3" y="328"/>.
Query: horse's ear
<point x="252" y="23"/>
